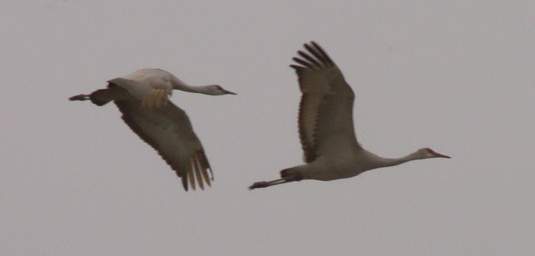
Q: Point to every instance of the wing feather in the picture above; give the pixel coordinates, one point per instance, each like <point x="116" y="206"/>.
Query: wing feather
<point x="191" y="176"/>
<point x="168" y="130"/>
<point x="326" y="107"/>
<point x="307" y="123"/>
<point x="198" y="172"/>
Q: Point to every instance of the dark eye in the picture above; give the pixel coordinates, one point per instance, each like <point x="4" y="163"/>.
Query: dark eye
<point x="219" y="87"/>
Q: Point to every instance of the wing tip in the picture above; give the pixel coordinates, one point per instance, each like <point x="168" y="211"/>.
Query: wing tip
<point x="320" y="57"/>
<point x="198" y="173"/>
<point x="184" y="183"/>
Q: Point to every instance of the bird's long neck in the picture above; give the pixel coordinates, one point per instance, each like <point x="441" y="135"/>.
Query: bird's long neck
<point x="195" y="89"/>
<point x="179" y="85"/>
<point x="385" y="162"/>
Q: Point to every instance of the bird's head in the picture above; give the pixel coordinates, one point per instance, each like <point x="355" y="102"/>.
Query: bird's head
<point x="425" y="153"/>
<point x="216" y="90"/>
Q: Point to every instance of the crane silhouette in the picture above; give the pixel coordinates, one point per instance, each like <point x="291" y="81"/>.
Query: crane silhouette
<point x="143" y="99"/>
<point x="326" y="131"/>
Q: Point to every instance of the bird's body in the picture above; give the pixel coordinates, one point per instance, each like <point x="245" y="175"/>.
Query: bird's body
<point x="341" y="167"/>
<point x="143" y="99"/>
<point x="326" y="130"/>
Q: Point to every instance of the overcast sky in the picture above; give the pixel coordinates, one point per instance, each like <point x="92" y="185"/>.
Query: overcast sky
<point x="456" y="76"/>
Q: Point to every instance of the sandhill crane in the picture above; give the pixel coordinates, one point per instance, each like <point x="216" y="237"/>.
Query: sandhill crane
<point x="143" y="99"/>
<point x="331" y="149"/>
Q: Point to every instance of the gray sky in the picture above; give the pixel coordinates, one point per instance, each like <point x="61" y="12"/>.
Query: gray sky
<point x="456" y="76"/>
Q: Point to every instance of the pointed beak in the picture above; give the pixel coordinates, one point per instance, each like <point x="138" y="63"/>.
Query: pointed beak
<point x="229" y="92"/>
<point x="441" y="155"/>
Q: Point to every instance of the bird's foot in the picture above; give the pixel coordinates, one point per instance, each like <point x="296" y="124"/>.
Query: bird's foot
<point x="80" y="97"/>
<point x="260" y="184"/>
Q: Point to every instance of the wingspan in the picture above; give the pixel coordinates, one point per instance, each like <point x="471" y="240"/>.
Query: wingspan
<point x="326" y="108"/>
<point x="168" y="130"/>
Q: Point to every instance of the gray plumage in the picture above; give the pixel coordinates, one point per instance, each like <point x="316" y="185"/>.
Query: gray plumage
<point x="326" y="131"/>
<point x="143" y="99"/>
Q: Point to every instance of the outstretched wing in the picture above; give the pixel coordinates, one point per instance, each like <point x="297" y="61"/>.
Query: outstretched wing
<point x="326" y="107"/>
<point x="168" y="130"/>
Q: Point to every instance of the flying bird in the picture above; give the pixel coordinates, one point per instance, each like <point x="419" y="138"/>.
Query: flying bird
<point x="326" y="131"/>
<point x="143" y="99"/>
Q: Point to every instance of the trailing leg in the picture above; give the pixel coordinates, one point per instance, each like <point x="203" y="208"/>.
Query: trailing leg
<point x="287" y="175"/>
